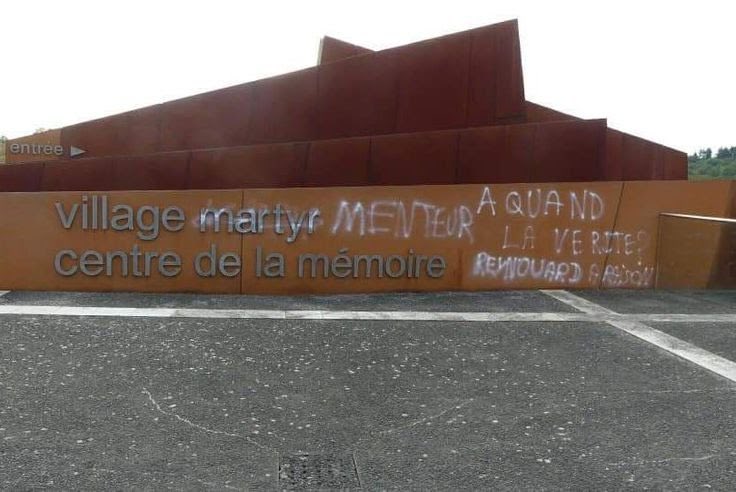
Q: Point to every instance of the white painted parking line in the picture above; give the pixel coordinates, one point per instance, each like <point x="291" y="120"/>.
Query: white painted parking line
<point x="3" y="292"/>
<point x="86" y="311"/>
<point x="680" y="318"/>
<point x="701" y="357"/>
<point x="33" y="310"/>
<point x="600" y="315"/>
<point x="582" y="305"/>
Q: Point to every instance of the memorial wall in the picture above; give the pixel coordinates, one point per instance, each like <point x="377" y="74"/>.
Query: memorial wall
<point x="416" y="168"/>
<point x="359" y="239"/>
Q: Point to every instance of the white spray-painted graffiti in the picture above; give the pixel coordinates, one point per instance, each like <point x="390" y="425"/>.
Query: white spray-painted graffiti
<point x="581" y="205"/>
<point x="528" y="246"/>
<point x="397" y="219"/>
<point x="511" y="268"/>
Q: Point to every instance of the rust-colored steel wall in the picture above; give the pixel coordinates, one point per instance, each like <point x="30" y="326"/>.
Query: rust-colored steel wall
<point x="25" y="177"/>
<point x="468" y="79"/>
<point x="428" y="85"/>
<point x="632" y="158"/>
<point x="545" y="152"/>
<point x="536" y="113"/>
<point x="331" y="49"/>
<point x="271" y="165"/>
<point x="638" y="215"/>
<point x="47" y="139"/>
<point x="627" y="157"/>
<point x="696" y="251"/>
<point x="544" y="235"/>
<point x="358" y="96"/>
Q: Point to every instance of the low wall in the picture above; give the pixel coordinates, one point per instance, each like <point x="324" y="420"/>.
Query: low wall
<point x="696" y="250"/>
<point x="367" y="239"/>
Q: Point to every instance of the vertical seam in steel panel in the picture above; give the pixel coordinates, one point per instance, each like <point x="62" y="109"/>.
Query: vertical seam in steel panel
<point x="241" y="286"/>
<point x="159" y="123"/>
<point x="457" y="156"/>
<point x="613" y="228"/>
<point x="305" y="163"/>
<point x="531" y="153"/>
<point x="470" y="80"/>
<point x="189" y="169"/>
<point x="40" y="176"/>
<point x="397" y="88"/>
<point x="317" y="135"/>
<point x="369" y="164"/>
<point x="657" y="250"/>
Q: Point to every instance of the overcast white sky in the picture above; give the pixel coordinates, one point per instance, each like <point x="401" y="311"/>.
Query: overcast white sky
<point x="665" y="71"/>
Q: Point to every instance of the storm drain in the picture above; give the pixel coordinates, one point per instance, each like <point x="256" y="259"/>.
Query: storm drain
<point x="318" y="471"/>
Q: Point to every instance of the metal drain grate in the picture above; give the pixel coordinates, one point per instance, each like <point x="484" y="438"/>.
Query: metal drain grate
<point x="318" y="471"/>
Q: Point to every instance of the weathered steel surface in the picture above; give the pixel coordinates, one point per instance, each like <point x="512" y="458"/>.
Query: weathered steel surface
<point x="696" y="251"/>
<point x="331" y="49"/>
<point x="544" y="235"/>
<point x="428" y="85"/>
<point x="543" y="152"/>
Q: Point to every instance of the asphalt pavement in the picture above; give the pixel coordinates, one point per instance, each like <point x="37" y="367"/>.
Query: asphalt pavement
<point x="512" y="390"/>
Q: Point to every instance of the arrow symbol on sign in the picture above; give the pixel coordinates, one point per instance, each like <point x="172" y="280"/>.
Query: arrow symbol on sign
<point x="75" y="151"/>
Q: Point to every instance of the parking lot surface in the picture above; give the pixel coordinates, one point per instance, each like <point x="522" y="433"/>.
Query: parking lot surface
<point x="495" y="390"/>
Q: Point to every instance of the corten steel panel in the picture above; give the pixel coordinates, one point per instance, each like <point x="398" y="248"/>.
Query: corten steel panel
<point x="536" y="113"/>
<point x="375" y="236"/>
<point x="214" y="119"/>
<point x="143" y="132"/>
<point x="539" y="234"/>
<point x="641" y="159"/>
<point x="50" y="137"/>
<point x="614" y="155"/>
<point x="101" y="137"/>
<point x="496" y="86"/>
<point x="496" y="154"/>
<point x="83" y="175"/>
<point x="28" y="262"/>
<point x="696" y="253"/>
<point x="394" y="220"/>
<point x="167" y="171"/>
<point x="341" y="162"/>
<point x="358" y="96"/>
<point x="658" y="162"/>
<point x="433" y="84"/>
<point x="723" y="273"/>
<point x="569" y="151"/>
<point x="674" y="164"/>
<point x="21" y="177"/>
<point x="632" y="259"/>
<point x="498" y="236"/>
<point x="437" y="79"/>
<point x="284" y="108"/>
<point x="485" y="154"/>
<point x="331" y="49"/>
<point x="509" y="77"/>
<point x="134" y="132"/>
<point x="484" y="63"/>
<point x="256" y="166"/>
<point x="413" y="159"/>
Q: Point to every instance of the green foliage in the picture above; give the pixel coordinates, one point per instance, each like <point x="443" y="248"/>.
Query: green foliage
<point x="726" y="153"/>
<point x="702" y="165"/>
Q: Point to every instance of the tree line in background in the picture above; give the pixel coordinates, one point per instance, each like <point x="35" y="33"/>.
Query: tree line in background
<point x="704" y="165"/>
<point x="701" y="165"/>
